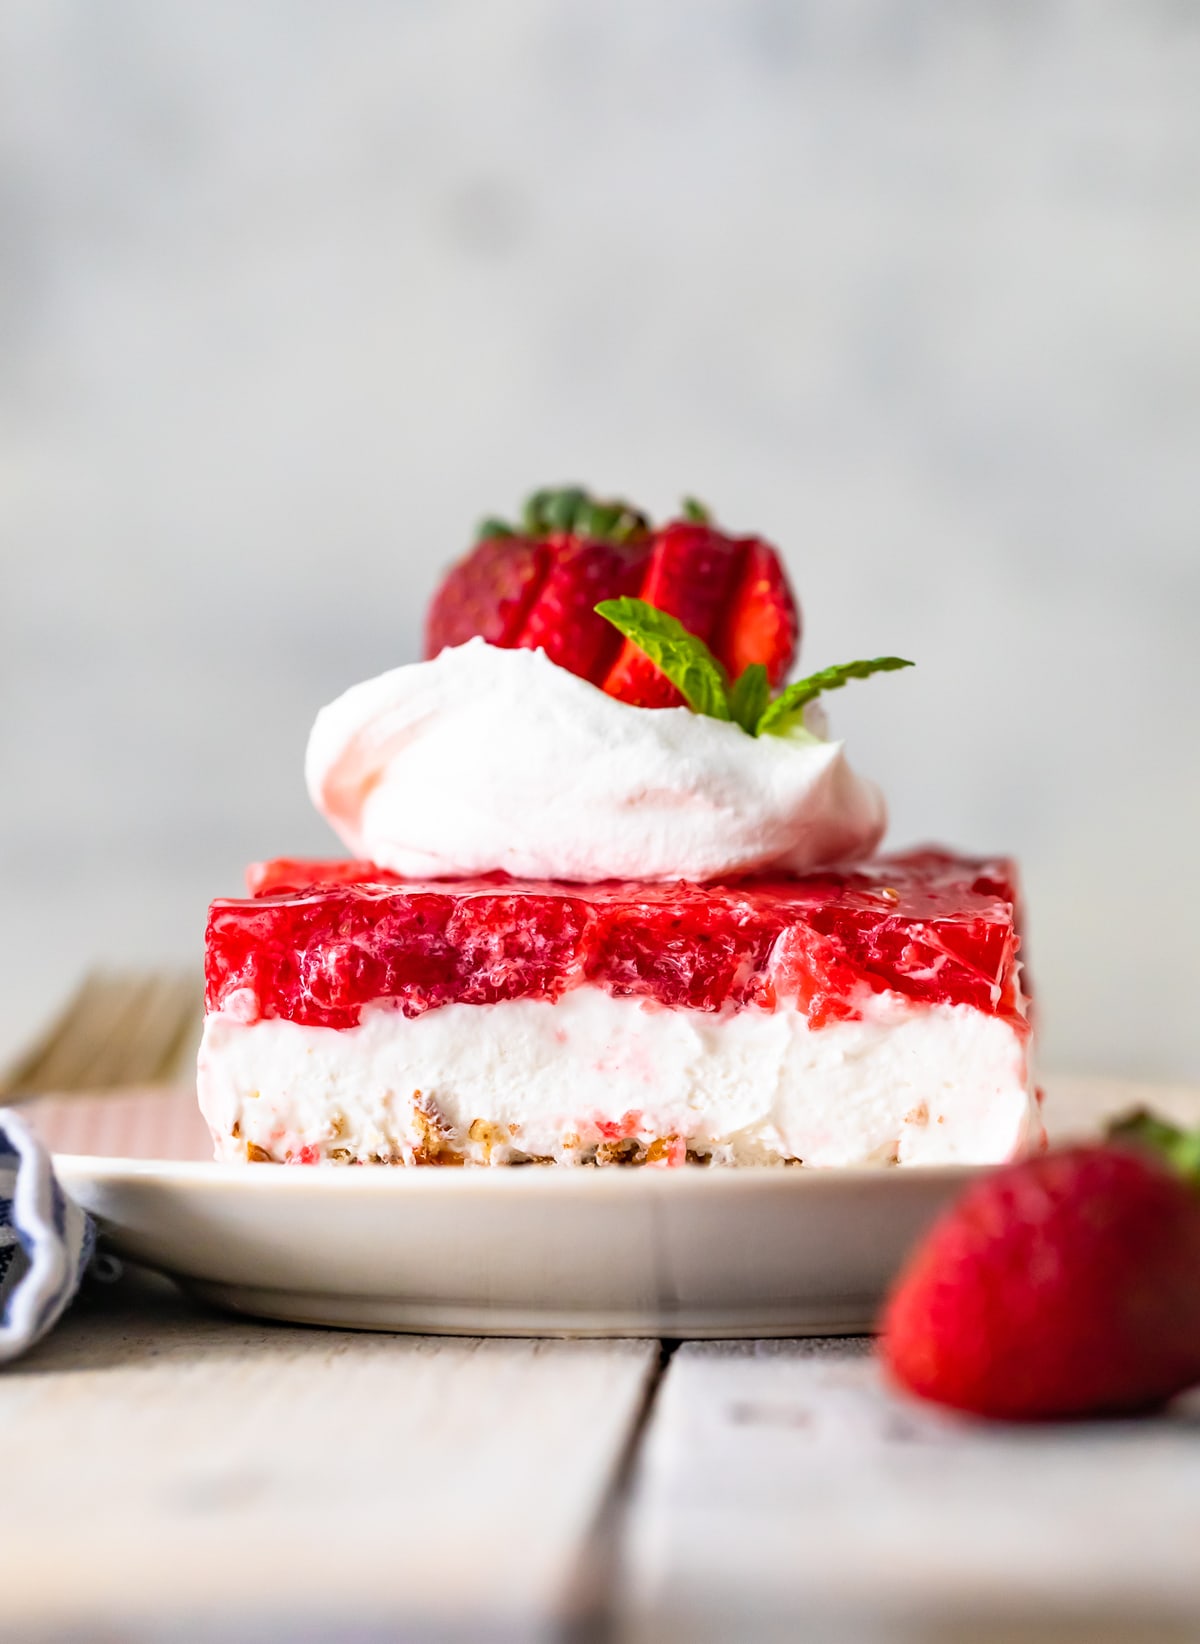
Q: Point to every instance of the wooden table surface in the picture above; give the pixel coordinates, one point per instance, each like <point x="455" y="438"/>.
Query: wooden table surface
<point x="172" y="1473"/>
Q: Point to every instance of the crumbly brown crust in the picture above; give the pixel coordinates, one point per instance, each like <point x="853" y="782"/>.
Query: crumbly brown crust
<point x="493" y="1149"/>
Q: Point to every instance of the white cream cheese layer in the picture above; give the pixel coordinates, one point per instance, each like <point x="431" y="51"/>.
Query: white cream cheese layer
<point x="486" y="759"/>
<point x="943" y="1084"/>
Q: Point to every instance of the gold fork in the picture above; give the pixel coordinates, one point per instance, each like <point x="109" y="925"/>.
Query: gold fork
<point x="119" y="1028"/>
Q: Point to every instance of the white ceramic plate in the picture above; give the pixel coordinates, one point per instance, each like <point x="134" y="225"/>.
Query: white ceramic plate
<point x="687" y="1253"/>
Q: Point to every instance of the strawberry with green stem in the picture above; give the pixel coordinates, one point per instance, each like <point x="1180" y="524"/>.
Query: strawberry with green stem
<point x="537" y="584"/>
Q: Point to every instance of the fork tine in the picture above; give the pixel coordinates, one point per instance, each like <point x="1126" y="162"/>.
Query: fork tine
<point x="103" y="1063"/>
<point x="145" y="1025"/>
<point x="75" y="1035"/>
<point x="121" y="1057"/>
<point x="179" y="1057"/>
<point x="119" y="1028"/>
<point x="15" y="1075"/>
<point x="171" y="1006"/>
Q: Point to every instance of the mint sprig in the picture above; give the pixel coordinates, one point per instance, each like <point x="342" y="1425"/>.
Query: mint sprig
<point x="788" y="707"/>
<point x="682" y="657"/>
<point x="703" y="683"/>
<point x="749" y="698"/>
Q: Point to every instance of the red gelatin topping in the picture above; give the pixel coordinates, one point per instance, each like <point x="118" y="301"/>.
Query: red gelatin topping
<point x="321" y="940"/>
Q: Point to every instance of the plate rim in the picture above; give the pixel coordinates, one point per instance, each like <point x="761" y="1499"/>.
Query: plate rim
<point x="549" y="1180"/>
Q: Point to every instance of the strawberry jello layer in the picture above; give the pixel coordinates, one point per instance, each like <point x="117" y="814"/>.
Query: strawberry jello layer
<point x="867" y="1016"/>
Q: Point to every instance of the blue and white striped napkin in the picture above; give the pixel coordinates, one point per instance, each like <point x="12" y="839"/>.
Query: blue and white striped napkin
<point x="46" y="1241"/>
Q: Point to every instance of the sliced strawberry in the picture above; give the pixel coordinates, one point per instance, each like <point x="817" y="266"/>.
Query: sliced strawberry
<point x="488" y="593"/>
<point x="562" y="619"/>
<point x="539" y="586"/>
<point x="692" y="574"/>
<point x="815" y="972"/>
<point x="763" y="620"/>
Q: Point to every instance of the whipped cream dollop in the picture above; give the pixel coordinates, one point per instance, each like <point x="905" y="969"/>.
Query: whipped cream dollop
<point x="486" y="759"/>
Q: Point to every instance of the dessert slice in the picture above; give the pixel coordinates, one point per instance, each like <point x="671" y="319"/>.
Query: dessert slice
<point x="601" y="909"/>
<point x="873" y="1015"/>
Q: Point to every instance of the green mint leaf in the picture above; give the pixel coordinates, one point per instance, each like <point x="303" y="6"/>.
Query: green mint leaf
<point x="489" y="528"/>
<point x="789" y="705"/>
<point x="696" y="512"/>
<point x="685" y="660"/>
<point x="749" y="697"/>
<point x="1181" y="1148"/>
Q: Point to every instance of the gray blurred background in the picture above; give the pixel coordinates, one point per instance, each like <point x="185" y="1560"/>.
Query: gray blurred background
<point x="291" y="294"/>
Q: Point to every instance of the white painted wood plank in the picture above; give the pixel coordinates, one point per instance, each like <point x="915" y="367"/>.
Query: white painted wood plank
<point x="171" y="1466"/>
<point x="1081" y="1104"/>
<point x="781" y="1485"/>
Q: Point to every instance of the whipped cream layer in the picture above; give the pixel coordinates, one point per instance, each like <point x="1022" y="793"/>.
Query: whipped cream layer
<point x="487" y="759"/>
<point x="593" y="1078"/>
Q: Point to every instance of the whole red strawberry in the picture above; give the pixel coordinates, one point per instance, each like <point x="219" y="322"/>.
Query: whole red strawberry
<point x="538" y="587"/>
<point x="1066" y="1285"/>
